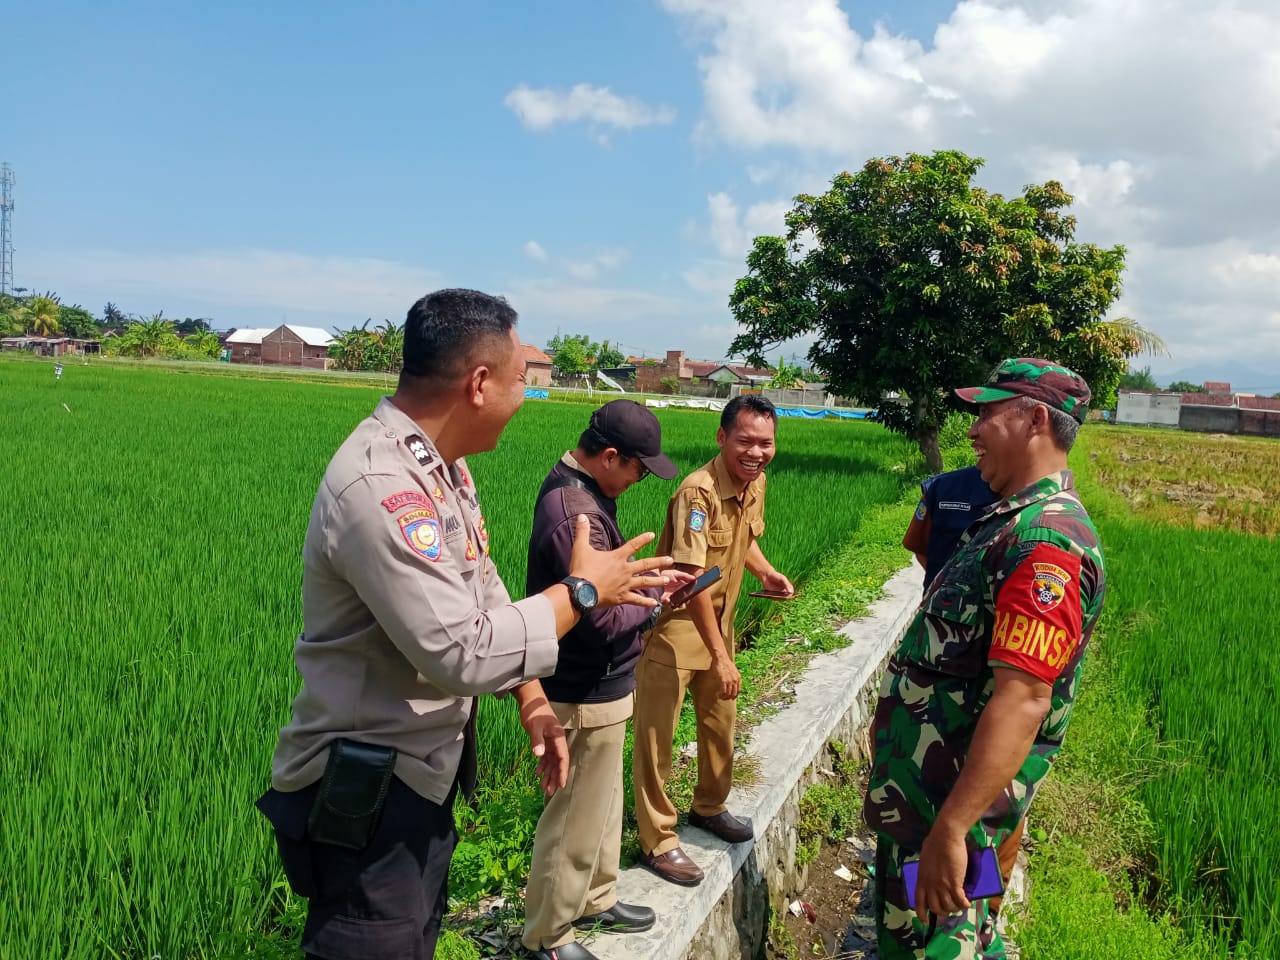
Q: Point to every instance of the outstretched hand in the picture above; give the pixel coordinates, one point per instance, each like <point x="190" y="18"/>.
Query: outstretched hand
<point x="616" y="576"/>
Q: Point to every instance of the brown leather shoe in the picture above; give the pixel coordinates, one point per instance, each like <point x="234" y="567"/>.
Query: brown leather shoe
<point x="675" y="866"/>
<point x="724" y="825"/>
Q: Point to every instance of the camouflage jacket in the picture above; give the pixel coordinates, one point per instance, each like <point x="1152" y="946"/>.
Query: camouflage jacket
<point x="1024" y="588"/>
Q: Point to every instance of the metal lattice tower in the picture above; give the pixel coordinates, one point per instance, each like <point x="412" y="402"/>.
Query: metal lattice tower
<point x="6" y="228"/>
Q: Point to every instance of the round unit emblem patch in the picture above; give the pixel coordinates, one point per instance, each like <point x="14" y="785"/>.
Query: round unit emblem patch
<point x="422" y="532"/>
<point x="1049" y="585"/>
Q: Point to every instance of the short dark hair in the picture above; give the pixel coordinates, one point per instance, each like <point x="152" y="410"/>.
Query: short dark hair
<point x="754" y="402"/>
<point x="450" y="330"/>
<point x="1063" y="427"/>
<point x="592" y="442"/>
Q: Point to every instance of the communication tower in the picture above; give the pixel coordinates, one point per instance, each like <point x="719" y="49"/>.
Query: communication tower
<point x="6" y="228"/>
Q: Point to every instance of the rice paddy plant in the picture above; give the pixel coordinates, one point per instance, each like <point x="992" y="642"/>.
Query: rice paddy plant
<point x="152" y="546"/>
<point x="1206" y="654"/>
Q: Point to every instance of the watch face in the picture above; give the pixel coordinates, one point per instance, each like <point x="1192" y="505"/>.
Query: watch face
<point x="586" y="595"/>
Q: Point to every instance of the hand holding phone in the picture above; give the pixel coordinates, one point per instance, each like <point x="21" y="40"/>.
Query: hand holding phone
<point x="982" y="878"/>
<point x="691" y="590"/>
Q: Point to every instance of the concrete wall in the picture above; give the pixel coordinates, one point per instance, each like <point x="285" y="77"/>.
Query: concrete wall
<point x="727" y="916"/>
<point x="1254" y="423"/>
<point x="1149" y="408"/>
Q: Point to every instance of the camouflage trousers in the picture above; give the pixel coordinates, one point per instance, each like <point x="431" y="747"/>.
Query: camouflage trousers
<point x="901" y="936"/>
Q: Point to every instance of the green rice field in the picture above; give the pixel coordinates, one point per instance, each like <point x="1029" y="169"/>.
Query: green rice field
<point x="152" y="548"/>
<point x="1199" y="649"/>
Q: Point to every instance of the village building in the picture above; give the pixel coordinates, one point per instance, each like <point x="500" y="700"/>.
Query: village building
<point x="537" y="366"/>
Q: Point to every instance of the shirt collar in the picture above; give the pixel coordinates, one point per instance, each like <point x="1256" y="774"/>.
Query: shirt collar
<point x="727" y="487"/>
<point x="1042" y="489"/>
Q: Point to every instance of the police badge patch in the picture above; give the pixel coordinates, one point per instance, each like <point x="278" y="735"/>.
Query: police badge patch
<point x="697" y="520"/>
<point x="422" y="532"/>
<point x="1049" y="585"/>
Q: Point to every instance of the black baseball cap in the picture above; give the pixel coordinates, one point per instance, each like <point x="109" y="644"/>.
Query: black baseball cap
<point x="634" y="431"/>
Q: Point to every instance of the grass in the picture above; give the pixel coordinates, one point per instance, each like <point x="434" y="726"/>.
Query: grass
<point x="153" y="548"/>
<point x="1165" y="794"/>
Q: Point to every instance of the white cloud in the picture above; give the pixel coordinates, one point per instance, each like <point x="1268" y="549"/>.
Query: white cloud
<point x="732" y="232"/>
<point x="1162" y="117"/>
<point x="584" y="268"/>
<point x="542" y="109"/>
<point x="534" y="251"/>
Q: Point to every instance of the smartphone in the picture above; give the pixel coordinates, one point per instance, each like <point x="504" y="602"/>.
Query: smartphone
<point x="691" y="590"/>
<point x="773" y="595"/>
<point x="982" y="877"/>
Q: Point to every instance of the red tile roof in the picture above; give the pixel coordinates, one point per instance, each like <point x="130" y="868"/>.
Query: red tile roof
<point x="533" y="355"/>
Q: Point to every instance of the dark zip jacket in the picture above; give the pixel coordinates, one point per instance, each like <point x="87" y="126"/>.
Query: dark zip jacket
<point x="598" y="656"/>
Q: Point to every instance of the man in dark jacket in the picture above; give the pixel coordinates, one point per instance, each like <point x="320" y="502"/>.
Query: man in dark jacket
<point x="575" y="853"/>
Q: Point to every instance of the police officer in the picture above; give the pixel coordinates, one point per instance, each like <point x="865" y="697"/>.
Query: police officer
<point x="975" y="701"/>
<point x="573" y="876"/>
<point x="405" y="621"/>
<point x="714" y="518"/>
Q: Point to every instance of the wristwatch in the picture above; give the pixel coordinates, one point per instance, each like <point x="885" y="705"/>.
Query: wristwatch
<point x="582" y="593"/>
<point x="654" y="616"/>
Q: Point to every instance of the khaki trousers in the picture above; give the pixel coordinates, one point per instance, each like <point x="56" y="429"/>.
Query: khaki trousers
<point x="578" y="841"/>
<point x="660" y="690"/>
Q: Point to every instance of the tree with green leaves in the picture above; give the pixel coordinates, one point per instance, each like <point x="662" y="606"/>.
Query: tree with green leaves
<point x="360" y="348"/>
<point x="785" y="376"/>
<point x="113" y="317"/>
<point x="78" y="322"/>
<point x="189" y="325"/>
<point x="573" y="354"/>
<point x="1138" y="380"/>
<point x="913" y="281"/>
<point x="1186" y="386"/>
<point x="42" y="314"/>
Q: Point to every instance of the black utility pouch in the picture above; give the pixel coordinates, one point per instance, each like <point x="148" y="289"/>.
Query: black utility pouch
<point x="355" y="784"/>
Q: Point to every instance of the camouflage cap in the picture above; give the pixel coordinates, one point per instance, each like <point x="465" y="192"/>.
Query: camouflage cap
<point x="1041" y="380"/>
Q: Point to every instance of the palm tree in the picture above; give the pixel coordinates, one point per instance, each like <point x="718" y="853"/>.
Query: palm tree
<point x="1146" y="340"/>
<point x="41" y="314"/>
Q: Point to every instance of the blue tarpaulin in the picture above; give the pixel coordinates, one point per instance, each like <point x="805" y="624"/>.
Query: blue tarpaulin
<point x="535" y="393"/>
<point x="818" y="414"/>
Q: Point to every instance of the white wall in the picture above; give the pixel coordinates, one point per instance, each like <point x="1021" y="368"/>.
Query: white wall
<point x="1156" y="408"/>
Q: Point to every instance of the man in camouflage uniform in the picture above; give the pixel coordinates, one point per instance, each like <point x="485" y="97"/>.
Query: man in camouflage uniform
<point x="974" y="703"/>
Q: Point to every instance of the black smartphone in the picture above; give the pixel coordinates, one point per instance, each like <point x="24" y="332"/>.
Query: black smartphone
<point x="691" y="590"/>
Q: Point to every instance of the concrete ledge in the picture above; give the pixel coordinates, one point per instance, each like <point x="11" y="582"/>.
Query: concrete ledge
<point x="727" y="915"/>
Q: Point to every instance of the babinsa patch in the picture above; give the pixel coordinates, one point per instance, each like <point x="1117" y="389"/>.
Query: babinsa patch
<point x="1049" y="585"/>
<point x="421" y="531"/>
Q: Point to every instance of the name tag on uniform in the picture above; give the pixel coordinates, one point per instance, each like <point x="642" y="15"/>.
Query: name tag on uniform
<point x="955" y="505"/>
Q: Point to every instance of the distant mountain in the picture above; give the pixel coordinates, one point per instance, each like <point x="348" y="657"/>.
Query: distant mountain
<point x="1242" y="379"/>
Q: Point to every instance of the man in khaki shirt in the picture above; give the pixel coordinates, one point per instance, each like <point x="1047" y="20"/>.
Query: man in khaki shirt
<point x="405" y="621"/>
<point x="713" y="519"/>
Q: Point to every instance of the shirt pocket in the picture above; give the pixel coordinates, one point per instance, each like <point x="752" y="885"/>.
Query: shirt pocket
<point x="719" y="539"/>
<point x="757" y="528"/>
<point x="949" y="635"/>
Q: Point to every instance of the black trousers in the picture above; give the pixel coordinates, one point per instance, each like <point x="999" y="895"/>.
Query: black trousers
<point x="384" y="902"/>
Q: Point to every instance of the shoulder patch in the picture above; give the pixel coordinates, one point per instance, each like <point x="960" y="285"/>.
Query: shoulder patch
<point x="398" y="501"/>
<point x="697" y="519"/>
<point x="421" y="531"/>
<point x="418" y="447"/>
<point x="1048" y="584"/>
<point x="920" y="510"/>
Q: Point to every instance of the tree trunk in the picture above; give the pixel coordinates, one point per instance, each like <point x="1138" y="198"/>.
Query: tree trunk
<point x="927" y="438"/>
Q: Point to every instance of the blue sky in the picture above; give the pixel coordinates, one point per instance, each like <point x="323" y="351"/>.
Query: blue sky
<point x="605" y="164"/>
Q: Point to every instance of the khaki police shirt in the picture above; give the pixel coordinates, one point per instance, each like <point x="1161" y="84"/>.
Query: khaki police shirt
<point x="708" y="524"/>
<point x="405" y="619"/>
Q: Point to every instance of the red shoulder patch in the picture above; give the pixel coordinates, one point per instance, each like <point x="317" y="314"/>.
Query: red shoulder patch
<point x="1038" y="615"/>
<point x="406" y="498"/>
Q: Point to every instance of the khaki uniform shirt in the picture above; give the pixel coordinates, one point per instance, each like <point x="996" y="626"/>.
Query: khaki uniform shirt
<point x="405" y="619"/>
<point x="708" y="524"/>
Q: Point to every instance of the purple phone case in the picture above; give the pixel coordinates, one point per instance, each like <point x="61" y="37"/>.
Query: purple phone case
<point x="981" y="879"/>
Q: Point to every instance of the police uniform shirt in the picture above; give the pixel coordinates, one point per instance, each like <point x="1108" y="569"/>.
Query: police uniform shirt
<point x="708" y="524"/>
<point x="405" y="619"/>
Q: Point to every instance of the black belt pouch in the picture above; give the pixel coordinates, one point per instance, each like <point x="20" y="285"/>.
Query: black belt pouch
<point x="352" y="791"/>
